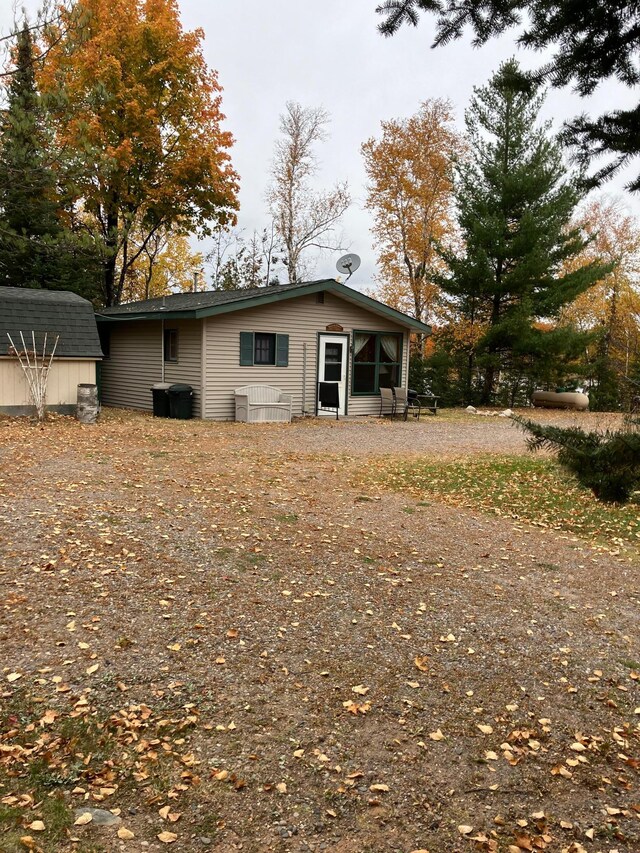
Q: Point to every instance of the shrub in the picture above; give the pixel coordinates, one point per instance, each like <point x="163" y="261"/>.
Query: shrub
<point x="607" y="462"/>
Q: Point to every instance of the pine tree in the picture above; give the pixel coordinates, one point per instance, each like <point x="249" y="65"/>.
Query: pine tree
<point x="515" y="201"/>
<point x="28" y="205"/>
<point x="584" y="43"/>
<point x="607" y="462"/>
<point x="36" y="250"/>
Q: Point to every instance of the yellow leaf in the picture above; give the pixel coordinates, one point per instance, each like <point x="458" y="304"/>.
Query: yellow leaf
<point x="281" y="787"/>
<point x="421" y="663"/>
<point x="93" y="668"/>
<point x="360" y="689"/>
<point x="486" y="730"/>
<point x="379" y="787"/>
<point x="167" y="837"/>
<point x="13" y="676"/>
<point x="83" y="819"/>
<point x="164" y="812"/>
<point x="413" y="684"/>
<point x="36" y="826"/>
<point x="578" y="747"/>
<point x="125" y="834"/>
<point x="174" y="647"/>
<point x="28" y="841"/>
<point x="298" y="753"/>
<point x="463" y="829"/>
<point x="437" y="735"/>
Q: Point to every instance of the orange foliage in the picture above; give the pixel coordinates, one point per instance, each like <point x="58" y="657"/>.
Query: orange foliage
<point x="410" y="172"/>
<point x="138" y="107"/>
<point x="612" y="304"/>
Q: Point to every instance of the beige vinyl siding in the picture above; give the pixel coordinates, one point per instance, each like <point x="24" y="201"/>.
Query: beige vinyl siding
<point x="62" y="387"/>
<point x="188" y="367"/>
<point x="302" y="319"/>
<point x="135" y="362"/>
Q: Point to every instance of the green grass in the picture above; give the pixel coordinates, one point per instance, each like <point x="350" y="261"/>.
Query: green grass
<point x="531" y="489"/>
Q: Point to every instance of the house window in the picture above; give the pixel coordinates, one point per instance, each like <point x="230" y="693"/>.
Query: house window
<point x="377" y="360"/>
<point x="170" y="344"/>
<point x="264" y="348"/>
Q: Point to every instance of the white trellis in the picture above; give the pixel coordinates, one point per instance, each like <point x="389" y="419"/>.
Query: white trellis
<point x="35" y="367"/>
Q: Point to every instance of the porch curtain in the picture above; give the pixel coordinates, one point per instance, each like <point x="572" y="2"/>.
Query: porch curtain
<point x="389" y="344"/>
<point x="359" y="344"/>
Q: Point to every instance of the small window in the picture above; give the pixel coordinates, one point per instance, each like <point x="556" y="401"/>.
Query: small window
<point x="264" y="348"/>
<point x="170" y="344"/>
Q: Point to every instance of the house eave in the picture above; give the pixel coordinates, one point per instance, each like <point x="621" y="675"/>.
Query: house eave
<point x="253" y="301"/>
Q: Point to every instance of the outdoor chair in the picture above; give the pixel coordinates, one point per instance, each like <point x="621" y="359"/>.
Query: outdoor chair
<point x="404" y="403"/>
<point x="387" y="402"/>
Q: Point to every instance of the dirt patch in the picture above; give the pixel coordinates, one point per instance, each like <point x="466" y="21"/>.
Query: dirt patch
<point x="288" y="667"/>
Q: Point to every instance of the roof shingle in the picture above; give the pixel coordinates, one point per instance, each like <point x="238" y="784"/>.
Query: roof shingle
<point x="55" y="312"/>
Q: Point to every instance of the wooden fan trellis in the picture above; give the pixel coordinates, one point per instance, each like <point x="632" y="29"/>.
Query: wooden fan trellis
<point x="35" y="368"/>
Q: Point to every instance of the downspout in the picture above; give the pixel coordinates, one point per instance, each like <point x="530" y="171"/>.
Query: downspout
<point x="304" y="379"/>
<point x="162" y="350"/>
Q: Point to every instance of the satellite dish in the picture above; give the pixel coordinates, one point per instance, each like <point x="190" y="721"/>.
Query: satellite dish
<point x="348" y="264"/>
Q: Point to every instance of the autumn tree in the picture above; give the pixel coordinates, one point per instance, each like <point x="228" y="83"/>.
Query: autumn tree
<point x="584" y="43"/>
<point x="611" y="308"/>
<point x="304" y="217"/>
<point x="140" y="111"/>
<point x="167" y="265"/>
<point x="515" y="200"/>
<point x="410" y="193"/>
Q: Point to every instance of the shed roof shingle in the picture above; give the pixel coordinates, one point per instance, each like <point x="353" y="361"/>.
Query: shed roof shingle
<point x="54" y="312"/>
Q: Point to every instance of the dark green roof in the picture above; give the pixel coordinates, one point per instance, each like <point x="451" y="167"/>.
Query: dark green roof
<point x="210" y="302"/>
<point x="55" y="312"/>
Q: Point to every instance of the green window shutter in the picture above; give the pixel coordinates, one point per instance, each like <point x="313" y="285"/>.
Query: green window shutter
<point x="246" y="349"/>
<point x="282" y="350"/>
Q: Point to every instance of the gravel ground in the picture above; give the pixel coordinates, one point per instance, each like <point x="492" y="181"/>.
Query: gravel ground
<point x="379" y="675"/>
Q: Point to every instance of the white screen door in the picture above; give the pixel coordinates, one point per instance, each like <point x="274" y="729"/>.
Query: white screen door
<point x="332" y="366"/>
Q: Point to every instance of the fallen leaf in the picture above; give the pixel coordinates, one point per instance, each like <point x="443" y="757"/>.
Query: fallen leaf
<point x="378" y="787"/>
<point x="36" y="826"/>
<point x="13" y="676"/>
<point x="93" y="668"/>
<point x="421" y="663"/>
<point x="125" y="834"/>
<point x="486" y="730"/>
<point x="463" y="829"/>
<point x="281" y="787"/>
<point x="83" y="819"/>
<point x="437" y="735"/>
<point x="167" y="837"/>
<point x="360" y="689"/>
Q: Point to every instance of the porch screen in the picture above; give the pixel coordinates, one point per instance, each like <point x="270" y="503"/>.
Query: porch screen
<point x="377" y="358"/>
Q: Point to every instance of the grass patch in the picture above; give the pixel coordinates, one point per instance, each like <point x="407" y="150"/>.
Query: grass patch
<point x="532" y="489"/>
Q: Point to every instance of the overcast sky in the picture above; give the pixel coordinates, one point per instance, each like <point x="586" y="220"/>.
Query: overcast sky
<point x="330" y="54"/>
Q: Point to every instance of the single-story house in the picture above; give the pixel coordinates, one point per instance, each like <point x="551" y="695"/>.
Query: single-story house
<point x="56" y="313"/>
<point x="289" y="336"/>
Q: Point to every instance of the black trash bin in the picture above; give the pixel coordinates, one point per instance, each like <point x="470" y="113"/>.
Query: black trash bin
<point x="160" y="393"/>
<point x="181" y="402"/>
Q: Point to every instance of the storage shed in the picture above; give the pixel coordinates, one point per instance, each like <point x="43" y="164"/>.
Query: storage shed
<point x="54" y="313"/>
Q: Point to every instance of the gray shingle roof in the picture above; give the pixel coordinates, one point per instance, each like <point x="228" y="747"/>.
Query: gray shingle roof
<point x="210" y="302"/>
<point x="204" y="299"/>
<point x="56" y="312"/>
